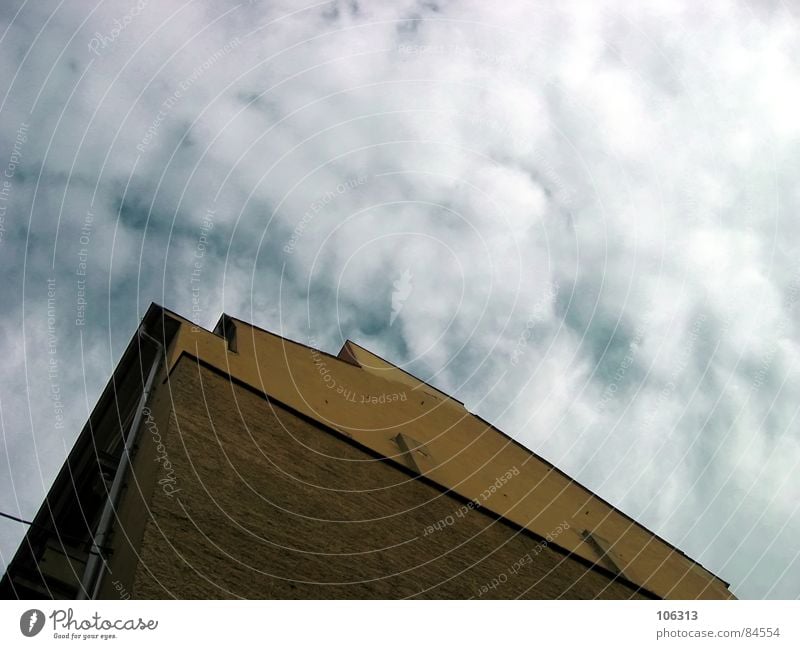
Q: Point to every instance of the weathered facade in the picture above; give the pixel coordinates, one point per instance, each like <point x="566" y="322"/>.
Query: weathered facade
<point x="263" y="468"/>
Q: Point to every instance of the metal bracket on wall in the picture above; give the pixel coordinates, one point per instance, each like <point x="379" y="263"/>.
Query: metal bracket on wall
<point x="415" y="454"/>
<point x="603" y="550"/>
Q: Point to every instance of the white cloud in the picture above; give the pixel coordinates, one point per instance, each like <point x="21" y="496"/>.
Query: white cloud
<point x="637" y="158"/>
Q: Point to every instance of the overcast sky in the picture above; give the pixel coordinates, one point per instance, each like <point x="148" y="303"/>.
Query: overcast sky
<point x="579" y="218"/>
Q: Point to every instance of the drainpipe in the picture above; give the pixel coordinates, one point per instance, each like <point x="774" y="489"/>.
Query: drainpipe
<point x="92" y="576"/>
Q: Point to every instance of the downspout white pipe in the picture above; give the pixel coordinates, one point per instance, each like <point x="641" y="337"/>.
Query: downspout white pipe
<point x="92" y="576"/>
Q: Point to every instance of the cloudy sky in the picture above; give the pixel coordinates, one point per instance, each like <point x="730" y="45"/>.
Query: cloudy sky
<point x="580" y="218"/>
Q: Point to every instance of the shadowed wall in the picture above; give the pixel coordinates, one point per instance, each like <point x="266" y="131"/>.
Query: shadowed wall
<point x="267" y="504"/>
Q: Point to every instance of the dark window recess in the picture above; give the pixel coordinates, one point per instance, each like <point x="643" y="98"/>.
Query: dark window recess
<point x="227" y="329"/>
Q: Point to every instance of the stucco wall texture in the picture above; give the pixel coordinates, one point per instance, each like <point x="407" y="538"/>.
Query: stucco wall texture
<point x="259" y="502"/>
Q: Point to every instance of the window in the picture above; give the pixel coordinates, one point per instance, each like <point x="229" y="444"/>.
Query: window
<point x="227" y="329"/>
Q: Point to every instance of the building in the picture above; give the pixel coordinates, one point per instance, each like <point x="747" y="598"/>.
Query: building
<point x="237" y="463"/>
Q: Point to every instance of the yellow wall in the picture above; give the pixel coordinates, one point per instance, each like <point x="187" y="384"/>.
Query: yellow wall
<point x="461" y="452"/>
